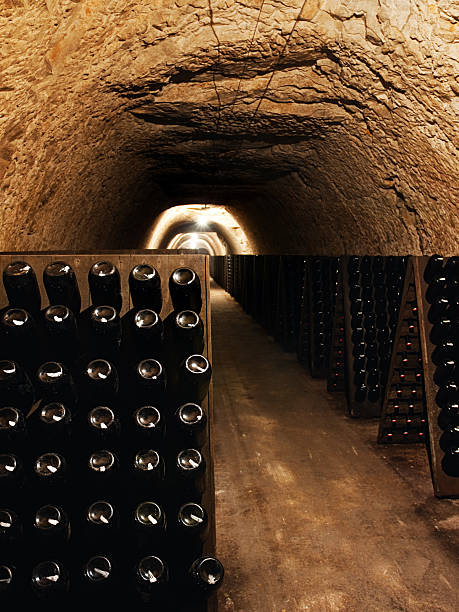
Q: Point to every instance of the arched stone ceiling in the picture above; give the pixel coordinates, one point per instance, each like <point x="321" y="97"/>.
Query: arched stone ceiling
<point x="327" y="126"/>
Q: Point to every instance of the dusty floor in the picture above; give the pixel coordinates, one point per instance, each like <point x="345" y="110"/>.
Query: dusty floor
<point x="311" y="513"/>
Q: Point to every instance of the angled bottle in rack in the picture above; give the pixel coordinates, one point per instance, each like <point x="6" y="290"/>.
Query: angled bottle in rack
<point x="189" y="425"/>
<point x="184" y="332"/>
<point x="61" y="333"/>
<point x="51" y="526"/>
<point x="61" y="286"/>
<point x="143" y="334"/>
<point x="21" y="286"/>
<point x="55" y="383"/>
<point x="50" y="580"/>
<point x="100" y="382"/>
<point x="105" y="285"/>
<point x="15" y="386"/>
<point x="145" y="288"/>
<point x="193" y="380"/>
<point x="205" y="576"/>
<point x="190" y="474"/>
<point x="18" y="333"/>
<point x="185" y="290"/>
<point x="12" y="428"/>
<point x="152" y="580"/>
<point x="50" y="426"/>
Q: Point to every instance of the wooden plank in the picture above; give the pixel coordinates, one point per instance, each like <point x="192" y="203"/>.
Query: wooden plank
<point x="444" y="485"/>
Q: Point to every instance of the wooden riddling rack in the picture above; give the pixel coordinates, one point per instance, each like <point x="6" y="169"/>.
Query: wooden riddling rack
<point x="444" y="485"/>
<point x="165" y="263"/>
<point x="403" y="414"/>
<point x="336" y="375"/>
<point x="373" y="293"/>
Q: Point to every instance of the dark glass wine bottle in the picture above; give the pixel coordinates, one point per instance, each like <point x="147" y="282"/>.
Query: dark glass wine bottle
<point x="105" y="331"/>
<point x="149" y="425"/>
<point x="62" y="286"/>
<point x="150" y="380"/>
<point x="450" y="462"/>
<point x="11" y="472"/>
<point x="15" y="386"/>
<point x="103" y="466"/>
<point x="50" y="579"/>
<point x="190" y="468"/>
<point x="61" y="333"/>
<point x="102" y="519"/>
<point x="21" y="286"/>
<point x="50" y="469"/>
<point x="11" y="529"/>
<point x="19" y="333"/>
<point x="206" y="576"/>
<point x="450" y="437"/>
<point x="437" y="308"/>
<point x="190" y="424"/>
<point x="148" y="332"/>
<point x="185" y="290"/>
<point x="185" y="333"/>
<point x="98" y="575"/>
<point x="12" y="428"/>
<point x="55" y="383"/>
<point x="52" y="523"/>
<point x="194" y="377"/>
<point x="105" y="285"/>
<point x="150" y="523"/>
<point x="104" y="426"/>
<point x="433" y="268"/>
<point x="149" y="466"/>
<point x="445" y="371"/>
<point x="145" y="287"/>
<point x="152" y="579"/>
<point x="435" y="289"/>
<point x="192" y="522"/>
<point x="100" y="381"/>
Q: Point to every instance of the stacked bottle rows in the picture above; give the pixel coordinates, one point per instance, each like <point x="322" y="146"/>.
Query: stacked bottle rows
<point x="404" y="418"/>
<point x="375" y="287"/>
<point x="102" y="456"/>
<point x="323" y="275"/>
<point x="336" y="378"/>
<point x="442" y="294"/>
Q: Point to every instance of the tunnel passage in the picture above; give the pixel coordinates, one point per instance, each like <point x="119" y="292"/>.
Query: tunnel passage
<point x="324" y="126"/>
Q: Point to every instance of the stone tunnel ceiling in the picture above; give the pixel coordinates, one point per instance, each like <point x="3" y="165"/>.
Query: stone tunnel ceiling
<point x="325" y="126"/>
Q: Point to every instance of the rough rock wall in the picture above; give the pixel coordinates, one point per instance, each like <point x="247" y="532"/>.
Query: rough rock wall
<point x="328" y="125"/>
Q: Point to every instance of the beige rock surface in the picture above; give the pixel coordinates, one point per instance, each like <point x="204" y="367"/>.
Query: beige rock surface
<point x="327" y="126"/>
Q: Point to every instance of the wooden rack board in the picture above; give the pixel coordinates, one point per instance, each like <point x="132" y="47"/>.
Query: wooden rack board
<point x="165" y="263"/>
<point x="444" y="485"/>
<point x="407" y="422"/>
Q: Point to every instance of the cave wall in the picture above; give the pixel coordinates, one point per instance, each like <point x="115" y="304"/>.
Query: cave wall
<point x="327" y="126"/>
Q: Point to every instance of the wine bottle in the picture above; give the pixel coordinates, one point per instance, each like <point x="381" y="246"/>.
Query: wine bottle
<point x="11" y="530"/>
<point x="444" y="351"/>
<point x="433" y="268"/>
<point x="61" y="286"/>
<point x="52" y="523"/>
<point x="185" y="333"/>
<point x="436" y="289"/>
<point x="450" y="437"/>
<point x="12" y="427"/>
<point x="148" y="333"/>
<point x="15" y="386"/>
<point x="452" y="268"/>
<point x="105" y="331"/>
<point x="11" y="472"/>
<point x="190" y="468"/>
<point x="205" y="576"/>
<point x="105" y="285"/>
<point x="360" y="393"/>
<point x="50" y="579"/>
<point x="145" y="287"/>
<point x="150" y="380"/>
<point x="149" y="467"/>
<point x="103" y="466"/>
<point x="194" y="377"/>
<point x="49" y="426"/>
<point x="437" y="308"/>
<point x="448" y="392"/>
<point x="149" y="424"/>
<point x="55" y="383"/>
<point x="61" y="332"/>
<point x="152" y="578"/>
<point x="50" y="468"/>
<point x="450" y="462"/>
<point x="98" y="575"/>
<point x="21" y="286"/>
<point x="190" y="424"/>
<point x="104" y="427"/>
<point x="185" y="290"/>
<point x="7" y="579"/>
<point x="102" y="518"/>
<point x="445" y="371"/>
<point x="19" y="334"/>
<point x="100" y="381"/>
<point x="150" y="524"/>
<point x="192" y="523"/>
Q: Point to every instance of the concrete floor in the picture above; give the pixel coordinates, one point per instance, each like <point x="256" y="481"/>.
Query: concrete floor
<point x="311" y="513"/>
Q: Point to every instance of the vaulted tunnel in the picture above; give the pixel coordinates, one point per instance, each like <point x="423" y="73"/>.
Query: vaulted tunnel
<point x="324" y="126"/>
